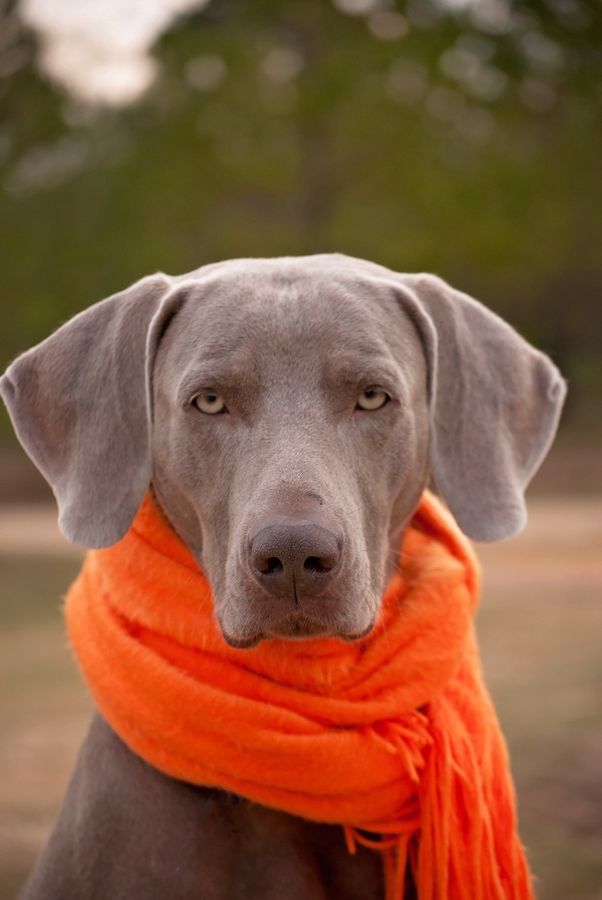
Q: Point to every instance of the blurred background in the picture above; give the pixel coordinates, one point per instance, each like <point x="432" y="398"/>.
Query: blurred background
<point x="461" y="137"/>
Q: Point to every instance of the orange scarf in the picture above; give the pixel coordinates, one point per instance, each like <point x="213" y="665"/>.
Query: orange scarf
<point x="393" y="735"/>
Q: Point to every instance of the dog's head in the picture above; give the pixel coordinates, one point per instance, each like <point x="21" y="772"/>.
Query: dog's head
<point x="288" y="414"/>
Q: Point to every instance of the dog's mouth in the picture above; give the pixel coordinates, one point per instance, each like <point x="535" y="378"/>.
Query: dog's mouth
<point x="295" y="627"/>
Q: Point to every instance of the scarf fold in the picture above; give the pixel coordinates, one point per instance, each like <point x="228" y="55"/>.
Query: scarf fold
<point x="393" y="737"/>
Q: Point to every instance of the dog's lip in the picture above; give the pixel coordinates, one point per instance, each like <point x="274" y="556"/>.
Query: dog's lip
<point x="295" y="628"/>
<point x="282" y="630"/>
<point x="357" y="635"/>
<point x="242" y="642"/>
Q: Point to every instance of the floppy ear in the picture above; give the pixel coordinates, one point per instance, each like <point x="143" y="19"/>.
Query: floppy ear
<point x="495" y="402"/>
<point x="80" y="404"/>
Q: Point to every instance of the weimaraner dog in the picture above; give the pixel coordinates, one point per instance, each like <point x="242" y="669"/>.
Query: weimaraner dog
<point x="287" y="409"/>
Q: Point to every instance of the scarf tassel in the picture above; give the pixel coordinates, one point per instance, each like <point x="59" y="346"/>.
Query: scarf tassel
<point x="394" y="851"/>
<point x="463" y="852"/>
<point x="458" y="852"/>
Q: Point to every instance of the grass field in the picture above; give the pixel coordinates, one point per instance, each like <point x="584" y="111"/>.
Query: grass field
<point x="541" y="635"/>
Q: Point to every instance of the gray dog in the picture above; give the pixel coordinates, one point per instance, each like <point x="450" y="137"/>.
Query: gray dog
<point x="288" y="414"/>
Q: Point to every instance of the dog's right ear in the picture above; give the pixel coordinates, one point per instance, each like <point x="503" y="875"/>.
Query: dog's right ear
<point x="80" y="403"/>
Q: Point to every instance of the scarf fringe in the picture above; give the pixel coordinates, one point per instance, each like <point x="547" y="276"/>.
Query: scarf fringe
<point x="394" y="851"/>
<point x="469" y="848"/>
<point x="458" y="851"/>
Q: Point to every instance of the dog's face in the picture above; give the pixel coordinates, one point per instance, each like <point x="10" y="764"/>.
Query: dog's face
<point x="290" y="445"/>
<point x="287" y="414"/>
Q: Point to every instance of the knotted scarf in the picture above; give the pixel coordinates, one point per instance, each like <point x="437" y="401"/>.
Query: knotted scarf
<point x="393" y="737"/>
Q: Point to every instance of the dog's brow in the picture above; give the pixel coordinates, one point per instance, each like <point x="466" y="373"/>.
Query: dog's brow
<point x="213" y="375"/>
<point x="361" y="365"/>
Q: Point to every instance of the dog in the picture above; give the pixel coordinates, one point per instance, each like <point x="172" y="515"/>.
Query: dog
<point x="287" y="415"/>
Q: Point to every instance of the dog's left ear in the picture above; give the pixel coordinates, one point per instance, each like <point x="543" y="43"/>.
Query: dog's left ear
<point x="80" y="404"/>
<point x="495" y="402"/>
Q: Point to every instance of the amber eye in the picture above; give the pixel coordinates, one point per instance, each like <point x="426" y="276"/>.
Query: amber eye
<point x="209" y="402"/>
<point x="372" y="398"/>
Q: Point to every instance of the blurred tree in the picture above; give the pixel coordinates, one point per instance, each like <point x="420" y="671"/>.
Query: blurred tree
<point x="458" y="137"/>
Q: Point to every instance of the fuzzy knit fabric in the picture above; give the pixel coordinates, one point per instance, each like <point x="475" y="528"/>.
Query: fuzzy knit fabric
<point x="393" y="737"/>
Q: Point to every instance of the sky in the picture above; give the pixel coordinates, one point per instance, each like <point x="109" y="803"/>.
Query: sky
<point x="100" y="50"/>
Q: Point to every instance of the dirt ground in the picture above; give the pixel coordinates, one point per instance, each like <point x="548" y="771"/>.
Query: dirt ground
<point x="540" y="626"/>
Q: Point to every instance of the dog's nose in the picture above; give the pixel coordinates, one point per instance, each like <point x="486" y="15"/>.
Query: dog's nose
<point x="294" y="559"/>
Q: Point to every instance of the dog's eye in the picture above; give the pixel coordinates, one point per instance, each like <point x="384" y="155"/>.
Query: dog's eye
<point x="209" y="402"/>
<point x="372" y="398"/>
